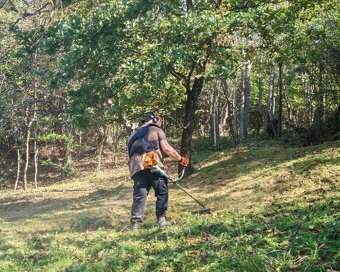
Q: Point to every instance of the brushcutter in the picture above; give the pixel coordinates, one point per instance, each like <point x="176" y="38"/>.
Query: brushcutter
<point x="205" y="210"/>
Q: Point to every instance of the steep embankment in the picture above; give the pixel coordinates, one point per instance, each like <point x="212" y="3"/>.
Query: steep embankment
<point x="275" y="209"/>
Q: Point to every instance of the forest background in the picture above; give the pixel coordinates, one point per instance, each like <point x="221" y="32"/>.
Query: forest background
<point x="247" y="89"/>
<point x="77" y="76"/>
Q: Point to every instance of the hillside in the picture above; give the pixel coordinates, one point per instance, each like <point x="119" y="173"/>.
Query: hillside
<point x="275" y="209"/>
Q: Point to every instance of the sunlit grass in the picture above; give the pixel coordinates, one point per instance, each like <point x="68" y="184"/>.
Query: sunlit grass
<point x="275" y="209"/>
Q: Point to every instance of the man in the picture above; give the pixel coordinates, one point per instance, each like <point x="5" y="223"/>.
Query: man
<point x="146" y="168"/>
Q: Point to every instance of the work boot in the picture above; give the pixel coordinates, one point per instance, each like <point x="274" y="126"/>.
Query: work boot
<point x="135" y="225"/>
<point x="161" y="221"/>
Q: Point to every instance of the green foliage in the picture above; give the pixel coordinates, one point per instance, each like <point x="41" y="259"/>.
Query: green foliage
<point x="83" y="65"/>
<point x="111" y="61"/>
<point x="124" y="53"/>
<point x="67" y="167"/>
<point x="203" y="148"/>
<point x="3" y="182"/>
<point x="47" y="162"/>
<point x="54" y="137"/>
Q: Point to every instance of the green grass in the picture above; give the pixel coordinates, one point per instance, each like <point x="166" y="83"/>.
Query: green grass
<point x="275" y="209"/>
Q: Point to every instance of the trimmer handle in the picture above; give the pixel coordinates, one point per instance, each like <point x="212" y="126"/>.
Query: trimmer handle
<point x="180" y="176"/>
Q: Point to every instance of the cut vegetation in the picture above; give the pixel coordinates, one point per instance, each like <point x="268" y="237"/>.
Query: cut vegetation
<point x="275" y="209"/>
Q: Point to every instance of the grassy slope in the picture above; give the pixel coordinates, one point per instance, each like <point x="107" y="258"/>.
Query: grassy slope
<point x="276" y="209"/>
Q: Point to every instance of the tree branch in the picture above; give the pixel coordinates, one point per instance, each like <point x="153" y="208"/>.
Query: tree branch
<point x="178" y="75"/>
<point x="217" y="3"/>
<point x="13" y="8"/>
<point x="3" y="4"/>
<point x="29" y="14"/>
<point x="248" y="6"/>
<point x="192" y="69"/>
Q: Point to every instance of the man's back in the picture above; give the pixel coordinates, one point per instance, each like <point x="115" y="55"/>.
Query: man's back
<point x="155" y="134"/>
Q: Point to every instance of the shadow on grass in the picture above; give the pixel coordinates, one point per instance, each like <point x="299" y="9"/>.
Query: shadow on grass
<point x="4" y="245"/>
<point x="26" y="208"/>
<point x="289" y="236"/>
<point x="285" y="237"/>
<point x="227" y="171"/>
<point x="23" y="259"/>
<point x="248" y="160"/>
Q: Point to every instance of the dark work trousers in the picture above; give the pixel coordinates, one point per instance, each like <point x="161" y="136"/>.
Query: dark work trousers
<point x="143" y="181"/>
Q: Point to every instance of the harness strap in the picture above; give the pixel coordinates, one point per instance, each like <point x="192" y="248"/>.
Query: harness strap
<point x="141" y="132"/>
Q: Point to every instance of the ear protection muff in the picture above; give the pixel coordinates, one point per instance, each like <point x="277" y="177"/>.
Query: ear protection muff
<point x="155" y="119"/>
<point x="151" y="116"/>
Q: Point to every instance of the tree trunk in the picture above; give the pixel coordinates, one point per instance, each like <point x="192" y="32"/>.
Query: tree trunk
<point x="320" y="109"/>
<point x="234" y="120"/>
<point x="211" y="114"/>
<point x="18" y="168"/>
<point x="269" y="108"/>
<point x="229" y="111"/>
<point x="190" y="118"/>
<point x="189" y="4"/>
<point x="273" y="102"/>
<point x="247" y="97"/>
<point x="260" y="86"/>
<point x="36" y="153"/>
<point x="35" y="66"/>
<point x="35" y="118"/>
<point x="28" y="137"/>
<point x="102" y="138"/>
<point x="243" y="99"/>
<point x="289" y="107"/>
<point x="245" y="92"/>
<point x="309" y="100"/>
<point x="215" y="118"/>
<point x="321" y="94"/>
<point x="279" y="128"/>
<point x="65" y="153"/>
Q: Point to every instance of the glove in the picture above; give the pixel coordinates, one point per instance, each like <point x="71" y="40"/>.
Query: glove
<point x="184" y="161"/>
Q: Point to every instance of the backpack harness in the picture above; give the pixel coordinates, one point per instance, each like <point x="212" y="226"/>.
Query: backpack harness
<point x="139" y="143"/>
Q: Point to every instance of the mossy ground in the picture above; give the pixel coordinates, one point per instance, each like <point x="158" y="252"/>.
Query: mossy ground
<point x="275" y="209"/>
